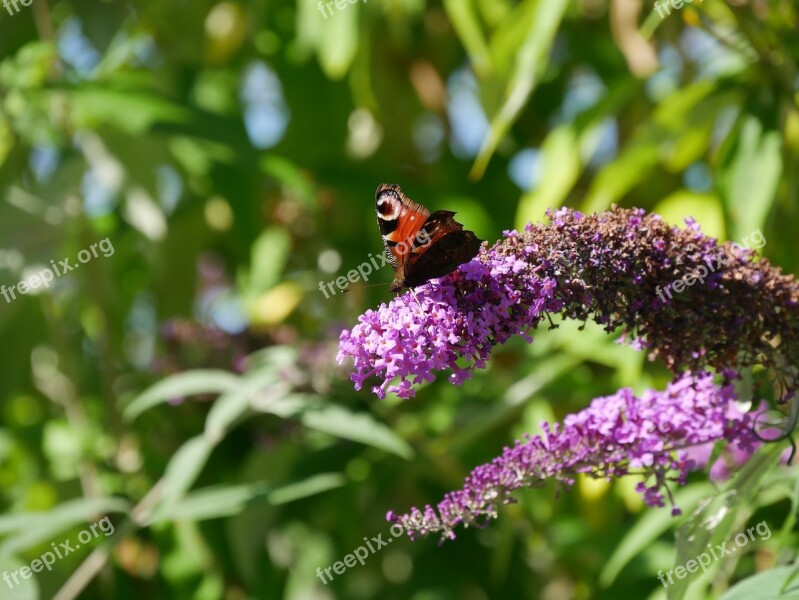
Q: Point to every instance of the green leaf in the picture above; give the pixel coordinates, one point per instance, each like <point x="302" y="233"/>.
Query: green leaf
<point x="680" y="106"/>
<point x="751" y="179"/>
<point x="181" y="472"/>
<point x="292" y="178"/>
<point x="63" y="445"/>
<point x="230" y="407"/>
<point x="338" y="41"/>
<point x="6" y="138"/>
<point x="227" y="500"/>
<point x="793" y="513"/>
<point x="133" y="111"/>
<point x="713" y="524"/>
<point x="31" y="528"/>
<point x="511" y="404"/>
<point x="226" y="410"/>
<point x="617" y="178"/>
<point x="281" y="357"/>
<point x="358" y="427"/>
<point x="692" y="143"/>
<point x="339" y="422"/>
<point x="652" y="524"/>
<point x="27" y="589"/>
<point x="506" y="38"/>
<point x="705" y="208"/>
<point x="561" y="162"/>
<point x="464" y="20"/>
<point x="645" y="148"/>
<point x="30" y="66"/>
<point x="270" y="253"/>
<point x="309" y="487"/>
<point x="199" y="381"/>
<point x="215" y="502"/>
<point x="780" y="583"/>
<point x="530" y="63"/>
<point x="568" y="148"/>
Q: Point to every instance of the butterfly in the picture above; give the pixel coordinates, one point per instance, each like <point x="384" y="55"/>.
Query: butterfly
<point x="420" y="246"/>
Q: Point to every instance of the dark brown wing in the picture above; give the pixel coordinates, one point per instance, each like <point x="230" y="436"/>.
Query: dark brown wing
<point x="449" y="247"/>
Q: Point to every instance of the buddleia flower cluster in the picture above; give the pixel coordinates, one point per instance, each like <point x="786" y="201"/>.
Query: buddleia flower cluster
<point x="451" y="325"/>
<point x="698" y="305"/>
<point x="617" y="268"/>
<point x="649" y="435"/>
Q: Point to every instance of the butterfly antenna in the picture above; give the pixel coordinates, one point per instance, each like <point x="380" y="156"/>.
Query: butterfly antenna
<point x="360" y="287"/>
<point x="415" y="296"/>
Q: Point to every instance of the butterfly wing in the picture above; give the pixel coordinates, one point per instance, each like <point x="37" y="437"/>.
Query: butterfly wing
<point x="446" y="246"/>
<point x="420" y="246"/>
<point x="400" y="220"/>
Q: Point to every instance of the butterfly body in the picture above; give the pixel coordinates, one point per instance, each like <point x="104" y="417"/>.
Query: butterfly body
<point x="420" y="246"/>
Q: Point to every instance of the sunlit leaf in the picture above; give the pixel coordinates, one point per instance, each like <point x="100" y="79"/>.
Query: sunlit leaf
<point x="216" y="502"/>
<point x="228" y="500"/>
<point x="464" y="19"/>
<point x="270" y="252"/>
<point x="28" y="589"/>
<point x="291" y="177"/>
<point x="182" y="385"/>
<point x="509" y="406"/>
<point x="530" y="63"/>
<point x="750" y="181"/>
<point x="338" y="40"/>
<point x="309" y="487"/>
<point x="561" y="163"/>
<point x="30" y="528"/>
<point x="780" y="583"/>
<point x="275" y="305"/>
<point x="705" y="208"/>
<point x="617" y="178"/>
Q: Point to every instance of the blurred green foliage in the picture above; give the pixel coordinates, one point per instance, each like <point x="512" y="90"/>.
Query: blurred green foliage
<point x="186" y="383"/>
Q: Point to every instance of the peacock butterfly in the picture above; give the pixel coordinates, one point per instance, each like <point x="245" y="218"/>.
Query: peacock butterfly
<point x="420" y="246"/>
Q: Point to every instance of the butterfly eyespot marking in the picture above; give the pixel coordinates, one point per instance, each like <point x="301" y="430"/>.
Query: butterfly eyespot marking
<point x="389" y="208"/>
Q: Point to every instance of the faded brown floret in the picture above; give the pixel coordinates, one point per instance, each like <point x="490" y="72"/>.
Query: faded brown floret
<point x="612" y="268"/>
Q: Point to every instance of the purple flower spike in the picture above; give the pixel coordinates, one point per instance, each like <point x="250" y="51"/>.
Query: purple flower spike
<point x="450" y="325"/>
<point x="616" y="435"/>
<point x="682" y="296"/>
